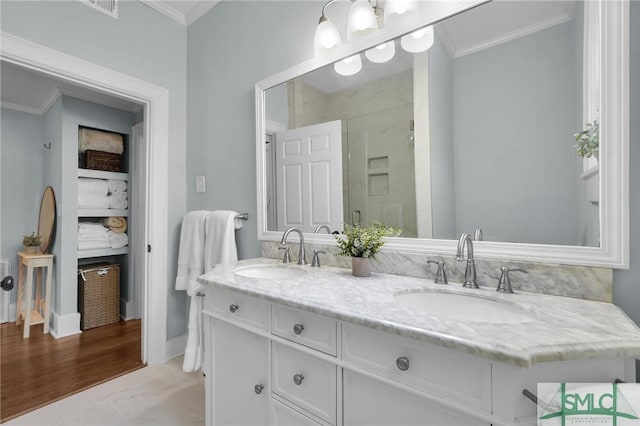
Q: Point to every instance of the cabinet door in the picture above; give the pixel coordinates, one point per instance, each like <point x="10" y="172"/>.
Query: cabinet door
<point x="240" y="363"/>
<point x="369" y="402"/>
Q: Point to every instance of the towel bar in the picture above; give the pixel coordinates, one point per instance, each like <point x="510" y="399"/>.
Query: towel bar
<point x="243" y="216"/>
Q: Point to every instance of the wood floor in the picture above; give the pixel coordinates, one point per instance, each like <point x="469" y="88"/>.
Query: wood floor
<point x="40" y="369"/>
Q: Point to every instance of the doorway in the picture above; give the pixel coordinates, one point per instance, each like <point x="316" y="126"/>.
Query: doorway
<point x="155" y="101"/>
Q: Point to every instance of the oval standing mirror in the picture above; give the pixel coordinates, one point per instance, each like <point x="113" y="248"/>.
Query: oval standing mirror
<point x="47" y="219"/>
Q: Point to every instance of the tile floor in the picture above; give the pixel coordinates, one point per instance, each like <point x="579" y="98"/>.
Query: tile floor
<point x="158" y="395"/>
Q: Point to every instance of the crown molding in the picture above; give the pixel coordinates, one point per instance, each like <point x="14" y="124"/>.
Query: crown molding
<point x="184" y="19"/>
<point x="199" y="10"/>
<point x="166" y="10"/>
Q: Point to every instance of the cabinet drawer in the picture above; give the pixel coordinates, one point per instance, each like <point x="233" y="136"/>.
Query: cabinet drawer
<point x="238" y="307"/>
<point x="308" y="329"/>
<point x="436" y="370"/>
<point x="369" y="402"/>
<point x="286" y="416"/>
<point x="304" y="380"/>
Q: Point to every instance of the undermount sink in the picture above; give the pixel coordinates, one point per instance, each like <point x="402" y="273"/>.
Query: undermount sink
<point x="273" y="272"/>
<point x="464" y="307"/>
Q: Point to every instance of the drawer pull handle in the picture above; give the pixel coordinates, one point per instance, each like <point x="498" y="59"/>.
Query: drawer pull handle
<point x="298" y="328"/>
<point x="258" y="389"/>
<point x="402" y="363"/>
<point x="297" y="379"/>
<point x="233" y="308"/>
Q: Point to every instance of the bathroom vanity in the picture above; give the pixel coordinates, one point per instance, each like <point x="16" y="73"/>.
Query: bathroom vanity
<point x="296" y="345"/>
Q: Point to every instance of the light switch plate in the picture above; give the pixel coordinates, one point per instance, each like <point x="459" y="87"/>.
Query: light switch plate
<point x="200" y="186"/>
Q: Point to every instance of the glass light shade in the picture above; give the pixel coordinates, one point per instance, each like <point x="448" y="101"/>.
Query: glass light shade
<point x="349" y="66"/>
<point x="382" y="52"/>
<point x="397" y="12"/>
<point x="327" y="38"/>
<point x="361" y="21"/>
<point x="419" y="40"/>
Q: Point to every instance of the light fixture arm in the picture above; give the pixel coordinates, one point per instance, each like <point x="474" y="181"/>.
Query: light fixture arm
<point x="323" y="17"/>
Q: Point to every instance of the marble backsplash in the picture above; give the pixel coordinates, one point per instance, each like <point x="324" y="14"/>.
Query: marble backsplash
<point x="581" y="282"/>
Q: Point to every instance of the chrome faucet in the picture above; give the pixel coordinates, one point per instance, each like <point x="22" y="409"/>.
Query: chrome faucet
<point x="301" y="253"/>
<point x="321" y="227"/>
<point x="470" y="271"/>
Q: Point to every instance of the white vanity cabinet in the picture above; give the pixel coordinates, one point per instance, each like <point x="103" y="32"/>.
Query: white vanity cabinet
<point x="266" y="363"/>
<point x="314" y="370"/>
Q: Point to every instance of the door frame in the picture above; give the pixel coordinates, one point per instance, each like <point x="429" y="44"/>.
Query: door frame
<point x="155" y="99"/>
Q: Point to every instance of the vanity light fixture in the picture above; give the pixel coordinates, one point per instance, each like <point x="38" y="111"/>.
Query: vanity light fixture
<point x="363" y="19"/>
<point x="349" y="66"/>
<point x="397" y="12"/>
<point x="419" y="40"/>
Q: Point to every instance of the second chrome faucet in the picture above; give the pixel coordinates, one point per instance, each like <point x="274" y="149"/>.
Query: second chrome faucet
<point x="301" y="252"/>
<point x="470" y="270"/>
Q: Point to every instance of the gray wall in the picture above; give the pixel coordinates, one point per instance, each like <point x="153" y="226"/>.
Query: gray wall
<point x="21" y="142"/>
<point x="521" y="159"/>
<point x="441" y="132"/>
<point x="142" y="43"/>
<point x="231" y="48"/>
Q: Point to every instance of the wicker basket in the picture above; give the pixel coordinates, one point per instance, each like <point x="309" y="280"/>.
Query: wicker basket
<point x="98" y="294"/>
<point x="100" y="160"/>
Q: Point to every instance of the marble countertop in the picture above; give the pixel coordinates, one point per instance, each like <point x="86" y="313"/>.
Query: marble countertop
<point x="562" y="328"/>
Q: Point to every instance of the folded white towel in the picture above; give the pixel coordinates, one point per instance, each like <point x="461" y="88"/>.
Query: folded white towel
<point x="91" y="234"/>
<point x="116" y="186"/>
<point x="89" y="186"/>
<point x="91" y="201"/>
<point x="96" y="237"/>
<point x="118" y="201"/>
<point x="117" y="240"/>
<point x="91" y="245"/>
<point x="90" y="225"/>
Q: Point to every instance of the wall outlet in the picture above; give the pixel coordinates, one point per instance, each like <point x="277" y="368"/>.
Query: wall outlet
<point x="200" y="184"/>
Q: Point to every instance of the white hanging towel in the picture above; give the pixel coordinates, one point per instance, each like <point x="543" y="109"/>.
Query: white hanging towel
<point x="219" y="247"/>
<point x="191" y="251"/>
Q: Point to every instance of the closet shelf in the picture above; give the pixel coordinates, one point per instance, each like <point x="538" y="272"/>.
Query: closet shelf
<point x="85" y="254"/>
<point x="102" y="212"/>
<point x="99" y="174"/>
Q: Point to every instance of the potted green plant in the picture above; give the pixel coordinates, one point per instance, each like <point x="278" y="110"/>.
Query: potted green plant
<point x="588" y="140"/>
<point x="31" y="242"/>
<point x="362" y="244"/>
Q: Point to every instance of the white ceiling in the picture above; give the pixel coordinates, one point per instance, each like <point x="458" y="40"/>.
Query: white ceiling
<point x="35" y="92"/>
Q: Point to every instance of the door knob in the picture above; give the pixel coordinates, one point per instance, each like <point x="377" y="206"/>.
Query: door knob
<point x="7" y="283"/>
<point x="258" y="389"/>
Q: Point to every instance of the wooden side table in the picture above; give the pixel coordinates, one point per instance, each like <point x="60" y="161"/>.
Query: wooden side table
<point x="42" y="309"/>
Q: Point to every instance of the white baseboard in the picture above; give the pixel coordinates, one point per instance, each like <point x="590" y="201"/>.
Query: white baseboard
<point x="12" y="312"/>
<point x="175" y="346"/>
<point x="65" y="325"/>
<point x="127" y="310"/>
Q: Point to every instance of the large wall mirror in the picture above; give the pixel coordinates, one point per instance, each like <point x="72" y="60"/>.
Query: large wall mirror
<point x="474" y="134"/>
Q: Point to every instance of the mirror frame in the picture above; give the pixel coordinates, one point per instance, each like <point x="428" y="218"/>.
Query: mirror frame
<point x="613" y="163"/>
